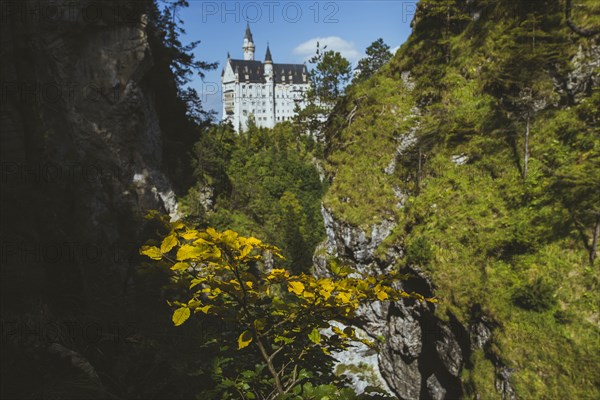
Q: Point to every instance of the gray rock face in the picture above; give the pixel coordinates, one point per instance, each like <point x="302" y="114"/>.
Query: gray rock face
<point x="405" y="334"/>
<point x="421" y="356"/>
<point x="81" y="114"/>
<point x="351" y="242"/>
<point x="449" y="351"/>
<point x="479" y="335"/>
<point x="584" y="76"/>
<point x="435" y="390"/>
<point x="404" y="377"/>
<point x="503" y="384"/>
<point x="83" y="142"/>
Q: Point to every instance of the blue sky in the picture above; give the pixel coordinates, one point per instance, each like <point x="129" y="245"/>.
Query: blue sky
<point x="291" y="28"/>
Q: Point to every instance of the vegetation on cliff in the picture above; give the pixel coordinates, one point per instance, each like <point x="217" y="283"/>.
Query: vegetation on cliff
<point x="480" y="139"/>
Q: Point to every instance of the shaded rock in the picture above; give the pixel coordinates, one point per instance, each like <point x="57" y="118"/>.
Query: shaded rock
<point x="435" y="390"/>
<point x="449" y="351"/>
<point x="404" y="377"/>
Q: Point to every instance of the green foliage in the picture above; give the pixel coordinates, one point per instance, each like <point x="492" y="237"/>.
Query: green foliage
<point x="536" y="296"/>
<point x="265" y="183"/>
<point x="419" y="252"/>
<point x="361" y="144"/>
<point x="330" y="74"/>
<point x="378" y="54"/>
<point x="486" y="236"/>
<point x="328" y="77"/>
<point x="282" y="321"/>
<point x="178" y="106"/>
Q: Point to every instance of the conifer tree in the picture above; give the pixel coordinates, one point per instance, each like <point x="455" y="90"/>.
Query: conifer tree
<point x="378" y="54"/>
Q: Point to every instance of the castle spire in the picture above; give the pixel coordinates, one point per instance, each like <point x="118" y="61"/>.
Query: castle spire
<point x="248" y="33"/>
<point x="268" y="57"/>
<point x="248" y="47"/>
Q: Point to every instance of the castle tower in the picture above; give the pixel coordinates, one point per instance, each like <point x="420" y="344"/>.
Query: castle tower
<point x="269" y="88"/>
<point x="248" y="47"/>
<point x="268" y="65"/>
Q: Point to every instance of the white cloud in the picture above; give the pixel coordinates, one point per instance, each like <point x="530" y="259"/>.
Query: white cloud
<point x="347" y="49"/>
<point x="395" y="49"/>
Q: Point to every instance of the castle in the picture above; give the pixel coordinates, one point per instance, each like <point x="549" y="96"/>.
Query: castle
<point x="268" y="91"/>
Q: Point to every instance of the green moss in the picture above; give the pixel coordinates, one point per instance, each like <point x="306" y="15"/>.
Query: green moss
<point x="488" y="237"/>
<point x="480" y="378"/>
<point x="361" y="192"/>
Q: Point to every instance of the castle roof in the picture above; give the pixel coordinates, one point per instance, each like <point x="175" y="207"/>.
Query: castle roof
<point x="268" y="55"/>
<point x="256" y="71"/>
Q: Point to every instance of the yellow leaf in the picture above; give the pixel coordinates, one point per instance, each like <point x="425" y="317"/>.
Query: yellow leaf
<point x="326" y="287"/>
<point x="187" y="252"/>
<point x="335" y="268"/>
<point x="296" y="287"/>
<point x="381" y="295"/>
<point x="201" y="241"/>
<point x="188" y="235"/>
<point x="259" y="324"/>
<point x="244" y="339"/>
<point x="213" y="233"/>
<point x="180" y="266"/>
<point x="196" y="282"/>
<point x="230" y="238"/>
<point x="308" y="295"/>
<point x="244" y="252"/>
<point x="342" y="297"/>
<point x="338" y="331"/>
<point x="368" y="342"/>
<point x="278" y="272"/>
<point x="252" y="241"/>
<point x="151" y="251"/>
<point x="181" y="315"/>
<point x="315" y="336"/>
<point x="177" y="225"/>
<point x="204" y="309"/>
<point x="249" y="284"/>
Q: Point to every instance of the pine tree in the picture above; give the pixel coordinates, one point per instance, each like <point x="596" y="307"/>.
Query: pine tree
<point x="378" y="54"/>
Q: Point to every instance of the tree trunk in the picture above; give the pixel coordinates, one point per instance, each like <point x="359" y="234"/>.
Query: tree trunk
<point x="526" y="155"/>
<point x="594" y="248"/>
<point x="447" y="38"/>
<point x="419" y="172"/>
<point x="575" y="28"/>
<point x="270" y="366"/>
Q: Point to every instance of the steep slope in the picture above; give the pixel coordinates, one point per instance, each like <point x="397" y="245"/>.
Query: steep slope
<point x="472" y="161"/>
<point x="83" y="159"/>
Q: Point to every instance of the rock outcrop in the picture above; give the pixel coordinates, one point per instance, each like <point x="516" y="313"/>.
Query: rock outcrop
<point x="81" y="134"/>
<point x="82" y="161"/>
<point x="421" y="356"/>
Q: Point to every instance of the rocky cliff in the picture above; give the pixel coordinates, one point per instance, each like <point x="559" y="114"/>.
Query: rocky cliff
<point x="82" y="161"/>
<point x="430" y="166"/>
<point x="421" y="356"/>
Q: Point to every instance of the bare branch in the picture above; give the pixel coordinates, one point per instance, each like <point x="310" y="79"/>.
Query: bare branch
<point x="578" y="30"/>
